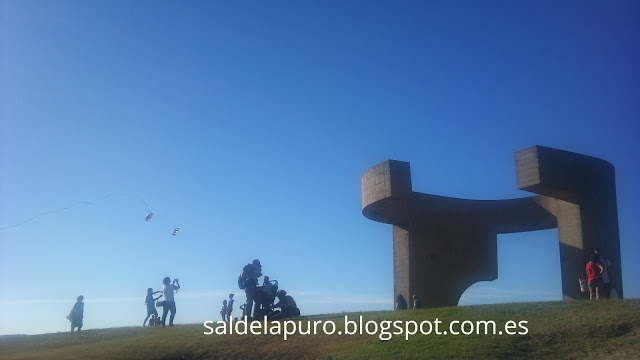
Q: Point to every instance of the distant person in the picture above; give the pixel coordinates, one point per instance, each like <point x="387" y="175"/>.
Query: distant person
<point x="76" y="314"/>
<point x="401" y="303"/>
<point x="150" y="301"/>
<point x="223" y="311"/>
<point x="287" y="305"/>
<point x="250" y="274"/>
<point x="417" y="304"/>
<point x="168" y="303"/>
<point x="269" y="292"/>
<point x="594" y="276"/>
<point x="606" y="279"/>
<point x="230" y="306"/>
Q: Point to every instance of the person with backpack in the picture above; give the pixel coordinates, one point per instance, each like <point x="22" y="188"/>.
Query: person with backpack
<point x="248" y="280"/>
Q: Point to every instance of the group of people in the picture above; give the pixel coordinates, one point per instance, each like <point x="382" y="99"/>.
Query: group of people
<point x="260" y="299"/>
<point x="167" y="303"/>
<point x="227" y="308"/>
<point x="598" y="276"/>
<point x="401" y="303"/>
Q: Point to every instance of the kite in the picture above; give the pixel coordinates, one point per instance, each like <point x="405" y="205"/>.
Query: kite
<point x="149" y="215"/>
<point x="175" y="231"/>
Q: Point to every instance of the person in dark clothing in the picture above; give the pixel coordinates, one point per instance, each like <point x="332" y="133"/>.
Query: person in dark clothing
<point x="250" y="274"/>
<point x="287" y="305"/>
<point x="417" y="304"/>
<point x="76" y="314"/>
<point x="401" y="303"/>
<point x="230" y="306"/>
<point x="150" y="301"/>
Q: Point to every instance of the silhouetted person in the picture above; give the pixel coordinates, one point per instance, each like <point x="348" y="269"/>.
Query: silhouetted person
<point x="250" y="274"/>
<point x="230" y="306"/>
<point x="223" y="311"/>
<point x="401" y="303"/>
<point x="606" y="280"/>
<point x="268" y="295"/>
<point x="594" y="276"/>
<point x="417" y="304"/>
<point x="287" y="305"/>
<point x="168" y="303"/>
<point x="150" y="301"/>
<point x="76" y="314"/>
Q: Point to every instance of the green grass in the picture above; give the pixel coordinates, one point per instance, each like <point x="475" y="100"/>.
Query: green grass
<point x="567" y="330"/>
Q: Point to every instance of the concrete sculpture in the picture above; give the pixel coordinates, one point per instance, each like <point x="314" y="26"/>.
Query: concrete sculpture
<point x="443" y="245"/>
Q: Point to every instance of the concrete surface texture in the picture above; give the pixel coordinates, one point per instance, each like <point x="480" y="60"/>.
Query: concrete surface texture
<point x="443" y="245"/>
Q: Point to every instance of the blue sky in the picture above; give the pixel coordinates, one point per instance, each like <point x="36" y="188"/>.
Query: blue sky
<point x="248" y="125"/>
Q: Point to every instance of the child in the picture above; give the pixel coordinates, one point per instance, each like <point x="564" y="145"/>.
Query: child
<point x="230" y="307"/>
<point x="223" y="312"/>
<point x="151" y="306"/>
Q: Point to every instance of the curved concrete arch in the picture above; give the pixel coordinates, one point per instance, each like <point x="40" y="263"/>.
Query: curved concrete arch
<point x="443" y="245"/>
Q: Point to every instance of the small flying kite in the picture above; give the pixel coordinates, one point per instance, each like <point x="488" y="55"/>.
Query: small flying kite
<point x="149" y="215"/>
<point x="175" y="231"/>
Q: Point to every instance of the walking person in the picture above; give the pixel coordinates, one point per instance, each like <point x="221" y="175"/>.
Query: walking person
<point x="76" y="314"/>
<point x="169" y="304"/>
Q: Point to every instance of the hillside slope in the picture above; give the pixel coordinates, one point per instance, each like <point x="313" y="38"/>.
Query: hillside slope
<point x="577" y="329"/>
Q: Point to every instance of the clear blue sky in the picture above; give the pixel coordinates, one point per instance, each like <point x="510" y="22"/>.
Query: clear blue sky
<point x="249" y="125"/>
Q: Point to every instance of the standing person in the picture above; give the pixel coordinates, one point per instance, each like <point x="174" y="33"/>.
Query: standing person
<point x="401" y="303"/>
<point x="606" y="280"/>
<point x="417" y="304"/>
<point x="76" y="314"/>
<point x="150" y="301"/>
<point x="223" y="311"/>
<point x="169" y="303"/>
<point x="250" y="274"/>
<point x="230" y="306"/>
<point x="594" y="276"/>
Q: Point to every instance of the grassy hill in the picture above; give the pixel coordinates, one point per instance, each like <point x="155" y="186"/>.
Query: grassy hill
<point x="577" y="329"/>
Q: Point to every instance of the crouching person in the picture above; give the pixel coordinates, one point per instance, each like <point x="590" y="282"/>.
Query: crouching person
<point x="287" y="307"/>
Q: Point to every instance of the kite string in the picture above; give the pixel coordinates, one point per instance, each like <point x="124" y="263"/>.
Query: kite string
<point x="68" y="208"/>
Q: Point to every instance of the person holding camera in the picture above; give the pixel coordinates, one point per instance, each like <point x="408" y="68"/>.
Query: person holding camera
<point x="169" y="303"/>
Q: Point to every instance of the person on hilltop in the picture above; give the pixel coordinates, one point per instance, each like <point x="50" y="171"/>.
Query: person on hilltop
<point x="606" y="280"/>
<point x="168" y="302"/>
<point x="287" y="305"/>
<point x="224" y="310"/>
<point x="269" y="290"/>
<point x="417" y="304"/>
<point x="401" y="303"/>
<point x="76" y="314"/>
<point x="230" y="306"/>
<point x="150" y="301"/>
<point x="594" y="276"/>
<point x="249" y="281"/>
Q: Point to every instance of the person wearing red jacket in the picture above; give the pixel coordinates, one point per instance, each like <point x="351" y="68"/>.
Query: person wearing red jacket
<point x="594" y="274"/>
